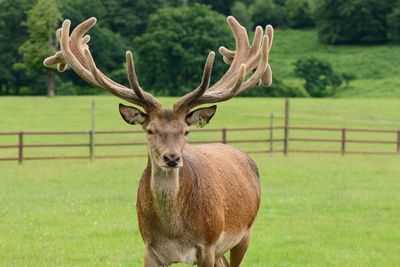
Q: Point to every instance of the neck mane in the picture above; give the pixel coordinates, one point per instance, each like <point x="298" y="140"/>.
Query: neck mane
<point x="164" y="185"/>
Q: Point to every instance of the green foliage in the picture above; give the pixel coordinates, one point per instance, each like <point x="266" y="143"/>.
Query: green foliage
<point x="278" y="13"/>
<point x="269" y="12"/>
<point x="41" y="24"/>
<point x="130" y="18"/>
<point x="108" y="47"/>
<point x="375" y="66"/>
<point x="119" y="22"/>
<point x="12" y="36"/>
<point x="393" y="21"/>
<point x="42" y="21"/>
<point x="172" y="52"/>
<point x="80" y="10"/>
<point x="299" y="13"/>
<point x="277" y="89"/>
<point x="221" y="6"/>
<point x="243" y="14"/>
<point x="320" y="78"/>
<point x="350" y="22"/>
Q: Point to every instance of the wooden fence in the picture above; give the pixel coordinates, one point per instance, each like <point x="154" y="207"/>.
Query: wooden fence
<point x="277" y="140"/>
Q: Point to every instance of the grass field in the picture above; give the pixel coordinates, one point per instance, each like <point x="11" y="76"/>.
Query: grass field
<point x="375" y="66"/>
<point x="317" y="210"/>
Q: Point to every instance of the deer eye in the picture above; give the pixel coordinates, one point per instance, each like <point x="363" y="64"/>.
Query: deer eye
<point x="186" y="133"/>
<point x="149" y="132"/>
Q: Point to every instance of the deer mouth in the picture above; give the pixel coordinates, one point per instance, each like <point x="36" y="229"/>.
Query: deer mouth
<point x="171" y="166"/>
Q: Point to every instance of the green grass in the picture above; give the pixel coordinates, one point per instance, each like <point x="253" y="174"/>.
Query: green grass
<point x="317" y="210"/>
<point x="376" y="67"/>
<point x="73" y="113"/>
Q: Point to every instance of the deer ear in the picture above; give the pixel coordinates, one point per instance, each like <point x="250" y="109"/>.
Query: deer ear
<point x="132" y="115"/>
<point x="200" y="117"/>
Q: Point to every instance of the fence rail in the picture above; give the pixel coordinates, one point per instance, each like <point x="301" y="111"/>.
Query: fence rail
<point x="276" y="140"/>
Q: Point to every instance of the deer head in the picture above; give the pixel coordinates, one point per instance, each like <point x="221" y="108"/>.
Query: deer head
<point x="167" y="129"/>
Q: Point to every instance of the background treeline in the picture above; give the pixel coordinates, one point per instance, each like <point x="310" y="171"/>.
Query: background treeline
<point x="171" y="38"/>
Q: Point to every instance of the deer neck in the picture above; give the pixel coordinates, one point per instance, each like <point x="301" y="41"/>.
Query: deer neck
<point x="164" y="186"/>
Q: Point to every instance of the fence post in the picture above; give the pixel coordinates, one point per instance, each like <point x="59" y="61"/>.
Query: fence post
<point x="224" y="135"/>
<point x="343" y="148"/>
<point x="286" y="136"/>
<point x="20" y="147"/>
<point x="398" y="142"/>
<point x="92" y="131"/>
<point x="91" y="144"/>
<point x="271" y="133"/>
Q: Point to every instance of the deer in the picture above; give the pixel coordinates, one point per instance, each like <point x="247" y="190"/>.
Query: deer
<point x="194" y="202"/>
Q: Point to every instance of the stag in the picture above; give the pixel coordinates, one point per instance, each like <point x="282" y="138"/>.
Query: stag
<point x="194" y="203"/>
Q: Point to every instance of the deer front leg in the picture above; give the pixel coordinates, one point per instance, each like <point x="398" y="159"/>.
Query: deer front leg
<point x="205" y="256"/>
<point x="151" y="259"/>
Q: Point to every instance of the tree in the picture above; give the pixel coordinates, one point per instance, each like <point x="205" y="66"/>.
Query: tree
<point x="107" y="46"/>
<point x="42" y="21"/>
<point x="277" y="89"/>
<point x="320" y="78"/>
<point x="12" y="35"/>
<point x="221" y="6"/>
<point x="393" y="20"/>
<point x="299" y="13"/>
<point x="130" y="17"/>
<point x="171" y="54"/>
<point x="269" y="12"/>
<point x="358" y="21"/>
<point x="243" y="14"/>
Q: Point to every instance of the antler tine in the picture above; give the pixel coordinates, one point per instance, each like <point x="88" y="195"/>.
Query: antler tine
<point x="133" y="81"/>
<point x="75" y="40"/>
<point x="85" y="40"/>
<point x="260" y="70"/>
<point x="257" y="40"/>
<point x="103" y="83"/>
<point x="239" y="33"/>
<point x="82" y="29"/>
<point x="185" y="102"/>
<point x="228" y="55"/>
<point x="70" y="58"/>
<point x="266" y="79"/>
<point x="270" y="32"/>
<point x="245" y="59"/>
<point x="242" y="44"/>
<point x="75" y="52"/>
<point x="224" y="95"/>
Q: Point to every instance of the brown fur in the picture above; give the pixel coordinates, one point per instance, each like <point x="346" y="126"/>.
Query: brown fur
<point x="218" y="192"/>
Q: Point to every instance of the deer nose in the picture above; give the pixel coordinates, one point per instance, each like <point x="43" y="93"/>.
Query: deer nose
<point x="171" y="160"/>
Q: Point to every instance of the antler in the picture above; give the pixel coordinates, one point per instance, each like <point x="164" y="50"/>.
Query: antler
<point x="244" y="60"/>
<point x="74" y="51"/>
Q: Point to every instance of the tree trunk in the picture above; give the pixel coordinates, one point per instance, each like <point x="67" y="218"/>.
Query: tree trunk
<point x="51" y="83"/>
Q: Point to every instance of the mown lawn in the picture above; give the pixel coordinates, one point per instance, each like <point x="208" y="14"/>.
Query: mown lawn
<point x="316" y="211"/>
